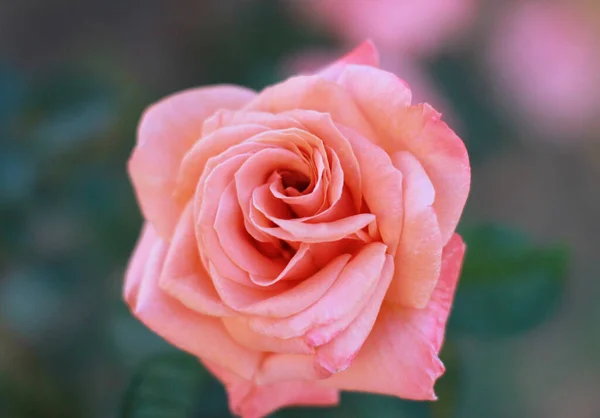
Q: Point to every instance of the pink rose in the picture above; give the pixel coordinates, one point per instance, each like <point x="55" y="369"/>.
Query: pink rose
<point x="300" y="241"/>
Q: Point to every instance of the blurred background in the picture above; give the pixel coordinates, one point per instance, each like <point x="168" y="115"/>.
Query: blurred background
<point x="518" y="80"/>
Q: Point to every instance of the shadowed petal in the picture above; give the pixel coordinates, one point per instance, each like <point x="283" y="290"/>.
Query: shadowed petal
<point x="419" y="257"/>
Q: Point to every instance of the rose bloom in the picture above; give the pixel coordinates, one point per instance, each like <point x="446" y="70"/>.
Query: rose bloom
<point x="300" y="241"/>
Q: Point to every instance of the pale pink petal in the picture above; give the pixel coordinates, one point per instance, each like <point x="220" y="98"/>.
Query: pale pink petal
<point x="295" y="230"/>
<point x="137" y="264"/>
<point x="166" y="132"/>
<point x="195" y="162"/>
<point x="241" y="297"/>
<point x="322" y="125"/>
<point x="359" y="278"/>
<point x="297" y="298"/>
<point x="316" y="94"/>
<point x="364" y="54"/>
<point x="392" y="91"/>
<point x="312" y="200"/>
<point x="243" y="334"/>
<point x="400" y="356"/>
<point x="237" y="244"/>
<point x="185" y="328"/>
<point x="251" y="401"/>
<point x="206" y="213"/>
<point x="420" y="131"/>
<point x="419" y="257"/>
<point x="225" y="118"/>
<point x="259" y="167"/>
<point x="281" y="367"/>
<point x="267" y="213"/>
<point x="381" y="187"/>
<point x="299" y="267"/>
<point x="337" y="355"/>
<point x="184" y="277"/>
<point x="266" y="399"/>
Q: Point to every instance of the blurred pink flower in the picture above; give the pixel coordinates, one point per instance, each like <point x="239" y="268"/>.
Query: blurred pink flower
<point x="544" y="61"/>
<point x="418" y="27"/>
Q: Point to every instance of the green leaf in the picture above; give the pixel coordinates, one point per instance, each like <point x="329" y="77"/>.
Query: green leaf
<point x="173" y="386"/>
<point x="507" y="285"/>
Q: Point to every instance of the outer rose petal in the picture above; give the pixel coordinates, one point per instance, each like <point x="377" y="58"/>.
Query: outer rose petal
<point x="400" y="356"/>
<point x="419" y="130"/>
<point x="364" y="54"/>
<point x="313" y="93"/>
<point x="184" y="277"/>
<point x="137" y="264"/>
<point x="167" y="130"/>
<point x="250" y="401"/>
<point x="338" y="354"/>
<point x="419" y="255"/>
<point x="174" y="322"/>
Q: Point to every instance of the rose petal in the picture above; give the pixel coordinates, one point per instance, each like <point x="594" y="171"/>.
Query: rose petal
<point x="322" y="125"/>
<point x="243" y="334"/>
<point x="281" y="367"/>
<point x="184" y="277"/>
<point x="258" y="168"/>
<point x="392" y="92"/>
<point x="251" y="401"/>
<point x="300" y="266"/>
<point x="196" y="161"/>
<point x="400" y="356"/>
<point x="310" y="201"/>
<point x="419" y="257"/>
<point x="381" y="187"/>
<point x="357" y="279"/>
<point x="236" y="242"/>
<point x="147" y="240"/>
<point x="294" y="300"/>
<point x="418" y="130"/>
<point x="338" y="354"/>
<point x="205" y="215"/>
<point x="182" y="327"/>
<point x="167" y="130"/>
<point x="312" y="93"/>
<point x="364" y="54"/>
<point x="295" y="230"/>
<point x="238" y="296"/>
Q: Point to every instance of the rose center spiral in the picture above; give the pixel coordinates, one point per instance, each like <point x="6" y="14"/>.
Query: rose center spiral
<point x="299" y="182"/>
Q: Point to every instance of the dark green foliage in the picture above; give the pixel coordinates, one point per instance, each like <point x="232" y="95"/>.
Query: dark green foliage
<point x="507" y="285"/>
<point x="174" y="386"/>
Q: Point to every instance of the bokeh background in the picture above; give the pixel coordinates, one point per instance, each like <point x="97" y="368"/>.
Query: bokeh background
<point x="518" y="80"/>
